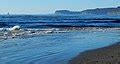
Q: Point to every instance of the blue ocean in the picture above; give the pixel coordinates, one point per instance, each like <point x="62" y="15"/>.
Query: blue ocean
<point x="38" y="21"/>
<point x="55" y="48"/>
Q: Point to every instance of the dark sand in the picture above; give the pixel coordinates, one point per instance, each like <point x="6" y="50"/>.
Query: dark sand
<point x="106" y="55"/>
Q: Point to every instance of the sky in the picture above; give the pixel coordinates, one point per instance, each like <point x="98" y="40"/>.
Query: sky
<point x="49" y="6"/>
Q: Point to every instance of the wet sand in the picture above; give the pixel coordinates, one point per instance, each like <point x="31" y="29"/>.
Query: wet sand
<point x="105" y="55"/>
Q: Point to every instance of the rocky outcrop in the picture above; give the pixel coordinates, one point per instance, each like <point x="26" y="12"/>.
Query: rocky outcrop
<point x="67" y="12"/>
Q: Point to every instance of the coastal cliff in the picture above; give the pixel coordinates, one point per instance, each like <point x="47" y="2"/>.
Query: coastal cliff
<point x="102" y="11"/>
<point x="97" y="11"/>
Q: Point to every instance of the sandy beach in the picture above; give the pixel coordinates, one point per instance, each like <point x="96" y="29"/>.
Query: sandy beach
<point x="105" y="55"/>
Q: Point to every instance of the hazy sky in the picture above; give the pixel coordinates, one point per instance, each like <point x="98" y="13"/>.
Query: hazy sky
<point x="49" y="6"/>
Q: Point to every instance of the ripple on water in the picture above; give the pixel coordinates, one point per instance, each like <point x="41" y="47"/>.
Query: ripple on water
<point x="53" y="49"/>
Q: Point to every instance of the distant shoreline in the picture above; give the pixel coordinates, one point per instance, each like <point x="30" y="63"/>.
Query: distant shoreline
<point x="105" y="55"/>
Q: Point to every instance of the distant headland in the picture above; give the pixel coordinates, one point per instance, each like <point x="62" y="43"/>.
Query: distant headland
<point x="97" y="11"/>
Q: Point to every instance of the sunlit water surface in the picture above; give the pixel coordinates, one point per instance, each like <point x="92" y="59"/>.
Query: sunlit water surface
<point x="54" y="48"/>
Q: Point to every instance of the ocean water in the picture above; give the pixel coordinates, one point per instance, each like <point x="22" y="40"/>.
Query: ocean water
<point x="55" y="48"/>
<point x="38" y="21"/>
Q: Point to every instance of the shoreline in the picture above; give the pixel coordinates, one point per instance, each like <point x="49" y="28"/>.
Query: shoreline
<point x="106" y="55"/>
